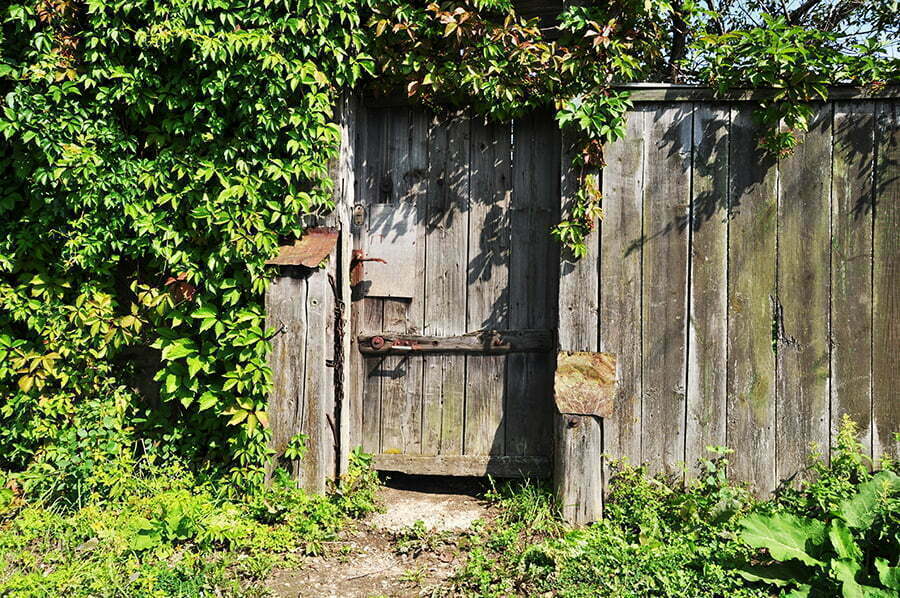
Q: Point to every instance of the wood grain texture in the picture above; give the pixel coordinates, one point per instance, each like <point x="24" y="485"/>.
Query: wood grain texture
<point x="665" y="272"/>
<point x="533" y="280"/>
<point x="753" y="206"/>
<point x="370" y="320"/>
<point x="578" y="440"/>
<point x="708" y="320"/>
<point x="445" y="281"/>
<point x="886" y="291"/>
<point x="487" y="304"/>
<point x="851" y="266"/>
<point x="286" y="312"/>
<point x="804" y="239"/>
<point x="313" y="418"/>
<point x="401" y="417"/>
<point x="577" y="467"/>
<point x="620" y="285"/>
<point x="466" y="465"/>
<point x="345" y="197"/>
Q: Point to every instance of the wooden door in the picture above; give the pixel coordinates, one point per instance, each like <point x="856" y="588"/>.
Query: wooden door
<point x="460" y="212"/>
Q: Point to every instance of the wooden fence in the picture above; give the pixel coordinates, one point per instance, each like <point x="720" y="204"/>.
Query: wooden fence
<point x="750" y="302"/>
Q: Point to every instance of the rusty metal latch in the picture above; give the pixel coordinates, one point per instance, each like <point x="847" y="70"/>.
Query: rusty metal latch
<point x="357" y="259"/>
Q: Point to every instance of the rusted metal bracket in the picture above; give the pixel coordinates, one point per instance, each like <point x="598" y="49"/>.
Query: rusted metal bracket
<point x="490" y="342"/>
<point x="357" y="271"/>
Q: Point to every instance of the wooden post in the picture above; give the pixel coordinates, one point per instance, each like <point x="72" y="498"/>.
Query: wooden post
<point x="578" y="439"/>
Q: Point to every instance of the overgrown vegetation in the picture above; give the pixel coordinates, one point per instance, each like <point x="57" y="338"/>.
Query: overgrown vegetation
<point x="170" y="533"/>
<point x="838" y="535"/>
<point x="155" y="153"/>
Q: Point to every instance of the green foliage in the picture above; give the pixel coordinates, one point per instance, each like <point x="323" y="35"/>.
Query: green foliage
<point x="656" y="539"/>
<point x="846" y="542"/>
<point x="798" y="63"/>
<point x="154" y="153"/>
<point x="169" y="534"/>
<point x="837" y="535"/>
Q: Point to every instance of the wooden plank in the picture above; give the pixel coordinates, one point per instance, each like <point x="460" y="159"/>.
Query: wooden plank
<point x="578" y="440"/>
<point x="312" y="417"/>
<point x="367" y="313"/>
<point x="487" y="302"/>
<point x="445" y="281"/>
<point x="482" y="342"/>
<point x="371" y="314"/>
<point x="665" y="271"/>
<point x="466" y="465"/>
<point x="401" y="417"/>
<point x="804" y="237"/>
<point x="577" y="468"/>
<point x="345" y="191"/>
<point x="620" y="290"/>
<point x="286" y="312"/>
<point x="533" y="280"/>
<point x="851" y="266"/>
<point x="753" y="207"/>
<point x="708" y="322"/>
<point x="329" y="423"/>
<point x="886" y="290"/>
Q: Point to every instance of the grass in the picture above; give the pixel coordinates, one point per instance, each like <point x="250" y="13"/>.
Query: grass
<point x="171" y="536"/>
<point x="660" y="537"/>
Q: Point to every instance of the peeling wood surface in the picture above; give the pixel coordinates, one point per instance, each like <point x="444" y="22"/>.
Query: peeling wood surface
<point x="585" y="383"/>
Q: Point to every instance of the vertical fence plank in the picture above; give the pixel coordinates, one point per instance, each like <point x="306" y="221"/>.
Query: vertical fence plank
<point x="445" y="277"/>
<point x="578" y="440"/>
<point x="707" y="322"/>
<point x="751" y="294"/>
<point x="312" y="466"/>
<point x="533" y="280"/>
<point x="804" y="239"/>
<point x="286" y="314"/>
<point x="487" y="305"/>
<point x="345" y="197"/>
<point x="401" y="420"/>
<point x="620" y="285"/>
<point x="851" y="266"/>
<point x="886" y="314"/>
<point x="665" y="272"/>
<point x="396" y="424"/>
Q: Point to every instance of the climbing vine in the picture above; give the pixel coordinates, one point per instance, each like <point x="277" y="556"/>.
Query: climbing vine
<point x="156" y="152"/>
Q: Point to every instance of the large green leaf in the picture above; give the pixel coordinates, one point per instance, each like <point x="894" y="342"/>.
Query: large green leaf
<point x="786" y="536"/>
<point x="887" y="575"/>
<point x="859" y="511"/>
<point x="843" y="542"/>
<point x="778" y="574"/>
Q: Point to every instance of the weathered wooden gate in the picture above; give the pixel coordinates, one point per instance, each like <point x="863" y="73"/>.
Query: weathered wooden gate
<point x="460" y="212"/>
<point x="749" y="302"/>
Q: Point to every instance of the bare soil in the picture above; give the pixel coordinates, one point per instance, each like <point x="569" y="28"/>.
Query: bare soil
<point x="369" y="560"/>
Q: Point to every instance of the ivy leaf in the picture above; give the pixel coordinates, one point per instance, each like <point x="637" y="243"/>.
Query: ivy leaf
<point x="181" y="347"/>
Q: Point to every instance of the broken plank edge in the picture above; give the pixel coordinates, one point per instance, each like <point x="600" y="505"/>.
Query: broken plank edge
<point x="466" y="465"/>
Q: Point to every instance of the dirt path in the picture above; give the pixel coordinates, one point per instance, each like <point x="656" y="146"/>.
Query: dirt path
<point x="389" y="553"/>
